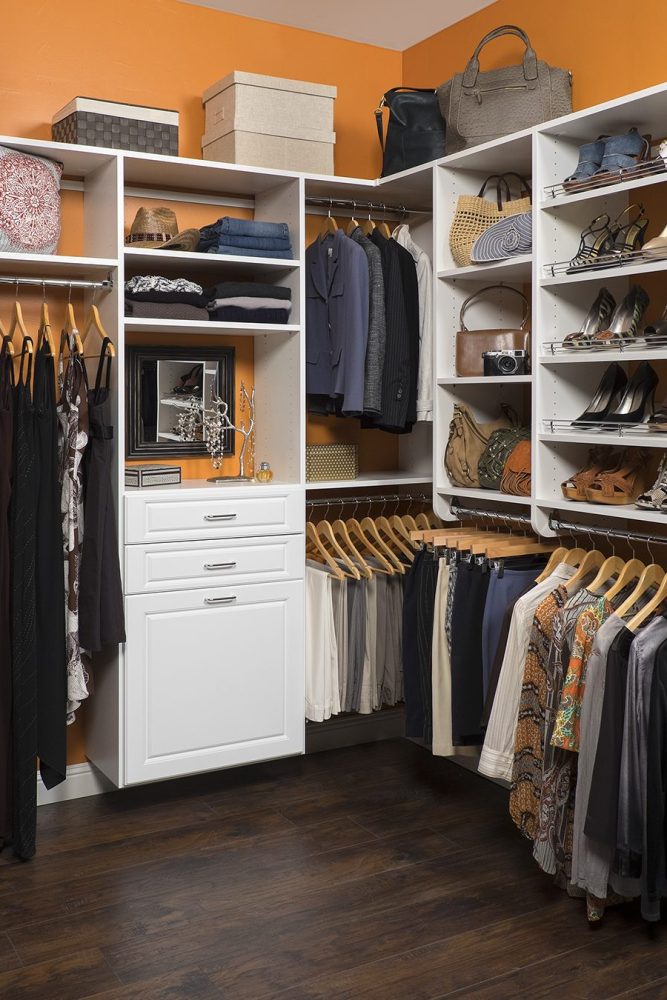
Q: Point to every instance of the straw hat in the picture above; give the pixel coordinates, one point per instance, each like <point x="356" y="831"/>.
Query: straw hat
<point x="157" y="228"/>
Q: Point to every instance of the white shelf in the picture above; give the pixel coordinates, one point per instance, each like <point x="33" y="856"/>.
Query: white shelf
<point x="471" y="494"/>
<point x="513" y="269"/>
<point x="486" y="380"/>
<point x="139" y="325"/>
<point x="43" y="265"/>
<point x="603" y="192"/>
<point x="605" y="273"/>
<point x="177" y="262"/>
<point x="372" y="479"/>
<point x="641" y="439"/>
<point x="626" y="512"/>
<point x="631" y="354"/>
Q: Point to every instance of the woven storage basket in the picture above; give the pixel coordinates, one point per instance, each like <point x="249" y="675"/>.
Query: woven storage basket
<point x="331" y="461"/>
<point x="475" y="214"/>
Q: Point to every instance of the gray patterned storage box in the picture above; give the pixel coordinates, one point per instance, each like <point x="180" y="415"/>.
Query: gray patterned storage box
<point x="152" y="475"/>
<point x="90" y="122"/>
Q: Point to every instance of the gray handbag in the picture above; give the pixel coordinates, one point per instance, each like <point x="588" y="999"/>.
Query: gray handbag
<point x="479" y="106"/>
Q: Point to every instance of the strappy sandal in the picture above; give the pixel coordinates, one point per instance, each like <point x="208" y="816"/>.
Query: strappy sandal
<point x="656" y="497"/>
<point x="594" y="242"/>
<point x="596" y="320"/>
<point x="574" y="488"/>
<point x="620" y="486"/>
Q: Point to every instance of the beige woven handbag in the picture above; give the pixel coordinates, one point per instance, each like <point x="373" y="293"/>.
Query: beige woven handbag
<point x="475" y="214"/>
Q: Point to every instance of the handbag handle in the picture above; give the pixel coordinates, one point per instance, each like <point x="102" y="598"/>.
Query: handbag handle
<point x="492" y="288"/>
<point x="500" y="181"/>
<point x="525" y="185"/>
<point x="529" y="58"/>
<point x="386" y="102"/>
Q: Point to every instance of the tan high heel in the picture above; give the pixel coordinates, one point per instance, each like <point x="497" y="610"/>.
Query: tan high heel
<point x="621" y="486"/>
<point x="574" y="488"/>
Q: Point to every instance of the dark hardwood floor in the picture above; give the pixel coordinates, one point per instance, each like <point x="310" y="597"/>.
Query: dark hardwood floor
<point x="370" y="873"/>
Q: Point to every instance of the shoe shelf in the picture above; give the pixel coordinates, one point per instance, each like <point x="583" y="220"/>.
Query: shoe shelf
<point x="629" y="186"/>
<point x="514" y="269"/>
<point x="640" y="266"/>
<point x="493" y="496"/>
<point x="598" y="511"/>
<point x="508" y="380"/>
<point x="599" y="357"/>
<point x="639" y="437"/>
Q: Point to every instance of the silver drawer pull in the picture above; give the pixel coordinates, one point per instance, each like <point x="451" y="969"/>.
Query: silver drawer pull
<point x="219" y="600"/>
<point x="229" y="565"/>
<point x="219" y="517"/>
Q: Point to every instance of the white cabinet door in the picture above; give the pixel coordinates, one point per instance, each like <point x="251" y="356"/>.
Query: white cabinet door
<point x="214" y="678"/>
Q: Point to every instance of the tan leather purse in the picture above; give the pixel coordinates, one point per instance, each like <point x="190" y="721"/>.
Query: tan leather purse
<point x="467" y="443"/>
<point x="471" y="344"/>
<point x="516" y="474"/>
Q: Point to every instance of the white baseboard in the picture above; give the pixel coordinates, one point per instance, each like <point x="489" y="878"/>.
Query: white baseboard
<point x="82" y="780"/>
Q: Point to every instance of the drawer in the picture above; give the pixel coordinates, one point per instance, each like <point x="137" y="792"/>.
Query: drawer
<point x="183" y="565"/>
<point x="189" y="515"/>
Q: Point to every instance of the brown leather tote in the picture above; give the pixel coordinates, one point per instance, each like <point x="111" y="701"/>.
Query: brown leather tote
<point x="516" y="474"/>
<point x="471" y="344"/>
<point x="467" y="443"/>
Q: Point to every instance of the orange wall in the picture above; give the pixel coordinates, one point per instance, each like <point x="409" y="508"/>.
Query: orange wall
<point x="612" y="48"/>
<point x="165" y="53"/>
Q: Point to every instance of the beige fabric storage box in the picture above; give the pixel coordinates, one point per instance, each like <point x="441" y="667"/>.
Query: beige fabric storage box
<point x="268" y="121"/>
<point x="331" y="462"/>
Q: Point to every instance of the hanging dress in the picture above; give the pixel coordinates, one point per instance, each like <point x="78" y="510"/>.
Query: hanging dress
<point x="6" y="448"/>
<point x="23" y="615"/>
<point x="101" y="614"/>
<point x="72" y="441"/>
<point x="50" y="589"/>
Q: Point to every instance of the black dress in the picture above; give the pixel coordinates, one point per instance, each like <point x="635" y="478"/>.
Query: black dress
<point x="6" y="434"/>
<point x="50" y="585"/>
<point x="101" y="614"/>
<point x="23" y="615"/>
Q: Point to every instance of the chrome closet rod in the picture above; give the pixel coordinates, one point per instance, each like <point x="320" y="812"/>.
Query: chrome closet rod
<point x="490" y="515"/>
<point x="367" y="498"/>
<point x="56" y="282"/>
<point x="568" y="527"/>
<point x="368" y="205"/>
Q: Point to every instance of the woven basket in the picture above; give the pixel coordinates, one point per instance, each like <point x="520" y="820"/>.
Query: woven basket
<point x="331" y="461"/>
<point x="475" y="213"/>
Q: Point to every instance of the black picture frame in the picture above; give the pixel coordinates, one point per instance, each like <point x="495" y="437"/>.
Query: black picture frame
<point x="139" y="362"/>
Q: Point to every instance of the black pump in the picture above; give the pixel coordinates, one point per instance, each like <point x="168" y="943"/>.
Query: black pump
<point x="638" y="399"/>
<point x="607" y="397"/>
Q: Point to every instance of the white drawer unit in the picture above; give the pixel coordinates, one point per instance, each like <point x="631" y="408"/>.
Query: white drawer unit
<point x="214" y="678"/>
<point x="181" y="565"/>
<point x="187" y="515"/>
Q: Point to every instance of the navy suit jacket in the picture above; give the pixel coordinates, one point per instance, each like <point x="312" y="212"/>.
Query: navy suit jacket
<point x="337" y="307"/>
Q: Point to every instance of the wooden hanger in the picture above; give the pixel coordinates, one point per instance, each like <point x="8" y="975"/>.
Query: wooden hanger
<point x="45" y="330"/>
<point x="356" y="531"/>
<point x="352" y="224"/>
<point x="555" y="559"/>
<point x="17" y="321"/>
<point x="632" y="570"/>
<point x="611" y="567"/>
<point x="330" y="224"/>
<point x="367" y="226"/>
<point x="319" y="549"/>
<point x="369" y="526"/>
<point x="70" y="329"/>
<point x="574" y="557"/>
<point x="327" y="537"/>
<point x="385" y="528"/>
<point x="94" y="322"/>
<point x="3" y="338"/>
<point x="409" y="522"/>
<point x="383" y="226"/>
<point x="591" y="561"/>
<point x="653" y="605"/>
<point x="422" y="521"/>
<point x="339" y="529"/>
<point x="401" y="531"/>
<point x="652" y="576"/>
<point x="527" y="548"/>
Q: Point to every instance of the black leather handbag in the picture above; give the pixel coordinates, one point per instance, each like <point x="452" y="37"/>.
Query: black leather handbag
<point x="415" y="131"/>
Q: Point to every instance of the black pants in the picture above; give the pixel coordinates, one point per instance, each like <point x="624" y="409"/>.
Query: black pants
<point x="418" y="612"/>
<point x="472" y="583"/>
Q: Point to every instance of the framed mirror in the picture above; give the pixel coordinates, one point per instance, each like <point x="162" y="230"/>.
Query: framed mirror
<point x="168" y="389"/>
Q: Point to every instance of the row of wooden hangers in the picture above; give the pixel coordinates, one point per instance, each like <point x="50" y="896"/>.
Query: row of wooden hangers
<point x="345" y="546"/>
<point x="70" y="331"/>
<point x="608" y="575"/>
<point x="366" y="225"/>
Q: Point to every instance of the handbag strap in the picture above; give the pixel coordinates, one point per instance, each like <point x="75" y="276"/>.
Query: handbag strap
<point x="525" y="184"/>
<point x="500" y="182"/>
<point x="529" y="58"/>
<point x="492" y="288"/>
<point x="385" y="102"/>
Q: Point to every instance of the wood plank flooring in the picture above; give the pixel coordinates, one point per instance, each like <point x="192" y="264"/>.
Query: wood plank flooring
<point x="369" y="873"/>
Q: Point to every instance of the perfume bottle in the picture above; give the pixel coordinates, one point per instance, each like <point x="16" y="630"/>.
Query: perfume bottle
<point x="264" y="473"/>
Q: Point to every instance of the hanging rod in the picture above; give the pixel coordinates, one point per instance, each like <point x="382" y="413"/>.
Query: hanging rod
<point x="370" y="206"/>
<point x="56" y="282"/>
<point x="490" y="515"/>
<point x="367" y="498"/>
<point x="568" y="527"/>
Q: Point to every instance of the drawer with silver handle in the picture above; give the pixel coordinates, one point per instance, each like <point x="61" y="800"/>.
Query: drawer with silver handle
<point x="182" y="565"/>
<point x="182" y="515"/>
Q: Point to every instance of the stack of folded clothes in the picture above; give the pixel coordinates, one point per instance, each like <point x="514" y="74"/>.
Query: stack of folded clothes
<point x="249" y="302"/>
<point x="246" y="238"/>
<point x="153" y="297"/>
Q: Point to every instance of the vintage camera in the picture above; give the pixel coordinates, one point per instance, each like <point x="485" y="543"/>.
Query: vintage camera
<point x="505" y="362"/>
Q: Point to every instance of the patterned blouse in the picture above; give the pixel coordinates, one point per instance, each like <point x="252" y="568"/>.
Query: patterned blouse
<point x="566" y="730"/>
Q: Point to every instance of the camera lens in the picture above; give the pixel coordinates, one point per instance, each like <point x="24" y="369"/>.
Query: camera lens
<point x="507" y="364"/>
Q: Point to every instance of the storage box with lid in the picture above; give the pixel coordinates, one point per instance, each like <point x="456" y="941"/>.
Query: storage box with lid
<point x="91" y="122"/>
<point x="268" y="121"/>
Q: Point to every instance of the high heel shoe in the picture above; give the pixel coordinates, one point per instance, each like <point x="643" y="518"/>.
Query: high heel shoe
<point x="590" y="158"/>
<point x="638" y="399"/>
<point x="190" y="383"/>
<point x="656" y="497"/>
<point x="606" y="398"/>
<point x="657" y="332"/>
<point x="626" y="320"/>
<point x="629" y="237"/>
<point x="623" y="152"/>
<point x="596" y="320"/>
<point x="656" y="248"/>
<point x="575" y="487"/>
<point x="622" y="485"/>
<point x="594" y="241"/>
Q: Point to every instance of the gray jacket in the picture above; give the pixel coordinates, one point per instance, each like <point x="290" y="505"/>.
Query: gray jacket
<point x="377" y="328"/>
<point x="337" y="307"/>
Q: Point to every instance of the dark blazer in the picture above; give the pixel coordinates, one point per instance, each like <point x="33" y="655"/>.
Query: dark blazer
<point x="411" y="299"/>
<point x="377" y="329"/>
<point x="396" y="380"/>
<point x="337" y="306"/>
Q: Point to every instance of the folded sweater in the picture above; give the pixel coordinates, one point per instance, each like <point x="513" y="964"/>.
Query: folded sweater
<point x="257" y="289"/>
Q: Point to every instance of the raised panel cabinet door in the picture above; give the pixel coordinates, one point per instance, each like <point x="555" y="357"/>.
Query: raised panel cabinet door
<point x="214" y="679"/>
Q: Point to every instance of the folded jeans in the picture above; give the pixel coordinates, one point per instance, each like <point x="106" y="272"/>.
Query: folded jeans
<point x="253" y="227"/>
<point x="254" y="242"/>
<point x="240" y="252"/>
